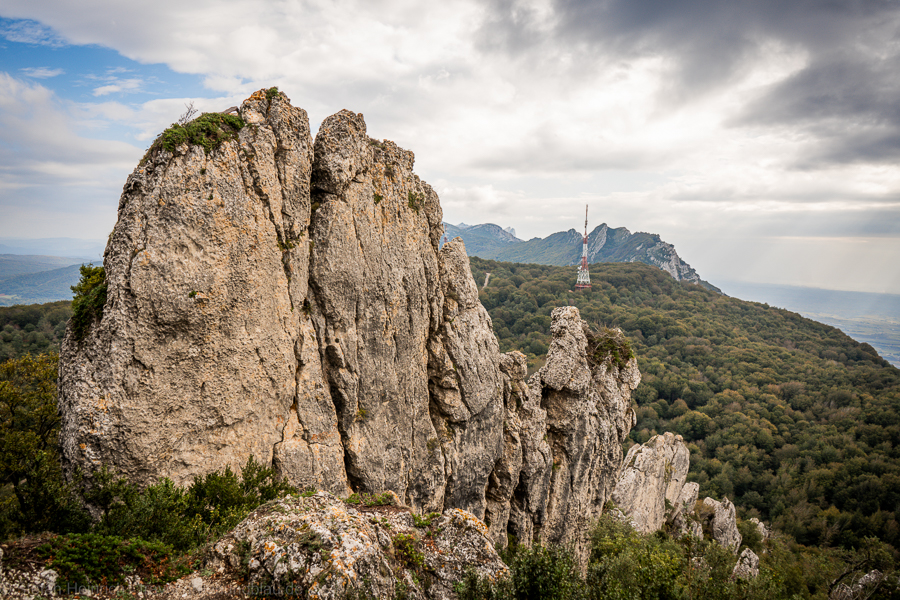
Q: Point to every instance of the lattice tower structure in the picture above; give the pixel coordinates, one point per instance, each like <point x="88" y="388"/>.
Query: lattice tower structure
<point x="584" y="277"/>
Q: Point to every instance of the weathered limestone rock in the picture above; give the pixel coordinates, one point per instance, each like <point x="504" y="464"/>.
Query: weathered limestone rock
<point x="747" y="565"/>
<point x="409" y="354"/>
<point x="653" y="476"/>
<point x="862" y="588"/>
<point x="519" y="485"/>
<point x="761" y="528"/>
<point x="321" y="547"/>
<point x="287" y="299"/>
<point x="683" y="519"/>
<point x="196" y="361"/>
<point x="722" y="523"/>
<point x="588" y="413"/>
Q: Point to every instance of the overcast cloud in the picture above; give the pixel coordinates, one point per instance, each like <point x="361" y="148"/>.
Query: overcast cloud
<point x="760" y="137"/>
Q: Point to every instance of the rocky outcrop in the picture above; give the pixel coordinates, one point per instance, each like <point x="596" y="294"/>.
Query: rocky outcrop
<point x="652" y="494"/>
<point x="682" y="516"/>
<point x="204" y="343"/>
<point x="563" y="437"/>
<point x="720" y="520"/>
<point x="287" y="299"/>
<point x="864" y="587"/>
<point x="761" y="528"/>
<point x="747" y="565"/>
<point x="649" y="490"/>
<point x="320" y="547"/>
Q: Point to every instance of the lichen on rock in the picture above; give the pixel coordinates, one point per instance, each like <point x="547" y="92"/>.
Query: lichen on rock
<point x="321" y="547"/>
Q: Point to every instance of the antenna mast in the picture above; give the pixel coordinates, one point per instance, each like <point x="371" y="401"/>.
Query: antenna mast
<point x="584" y="277"/>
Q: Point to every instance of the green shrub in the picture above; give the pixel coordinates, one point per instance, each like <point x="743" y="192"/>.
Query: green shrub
<point x="609" y="345"/>
<point x="406" y="551"/>
<point x="415" y="201"/>
<point x="537" y="572"/>
<point x="209" y="130"/>
<point x="90" y="297"/>
<point x="91" y="559"/>
<point x="626" y="564"/>
<point x="366" y="499"/>
<point x="34" y="496"/>
<point x="45" y="501"/>
<point x="155" y="513"/>
<point x="425" y="520"/>
<point x="750" y="536"/>
<point x="543" y="572"/>
<point x="183" y="518"/>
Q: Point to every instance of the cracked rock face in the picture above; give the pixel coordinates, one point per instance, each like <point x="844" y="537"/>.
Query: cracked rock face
<point x="654" y="474"/>
<point x="287" y="299"/>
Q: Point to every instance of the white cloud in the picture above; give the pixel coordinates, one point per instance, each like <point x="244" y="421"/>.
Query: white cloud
<point x="47" y="167"/>
<point x="522" y="119"/>
<point x="41" y="72"/>
<point x="31" y="32"/>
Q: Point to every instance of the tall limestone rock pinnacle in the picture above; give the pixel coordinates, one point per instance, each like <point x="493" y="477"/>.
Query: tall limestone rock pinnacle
<point x="562" y="440"/>
<point x="286" y="298"/>
<point x="203" y="343"/>
<point x="653" y="476"/>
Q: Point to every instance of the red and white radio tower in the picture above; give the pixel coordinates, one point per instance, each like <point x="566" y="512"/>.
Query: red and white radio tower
<point x="584" y="277"/>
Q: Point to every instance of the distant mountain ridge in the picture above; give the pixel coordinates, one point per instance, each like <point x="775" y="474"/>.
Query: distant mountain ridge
<point x="487" y="237"/>
<point x="40" y="287"/>
<point x="563" y="248"/>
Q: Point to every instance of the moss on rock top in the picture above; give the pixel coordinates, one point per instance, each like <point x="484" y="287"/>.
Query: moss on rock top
<point x="209" y="130"/>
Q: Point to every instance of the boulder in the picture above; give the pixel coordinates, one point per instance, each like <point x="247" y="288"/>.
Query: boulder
<point x="649" y="490"/>
<point x="747" y="565"/>
<point x="322" y="547"/>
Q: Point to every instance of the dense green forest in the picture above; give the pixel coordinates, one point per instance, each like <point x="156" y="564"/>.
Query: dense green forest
<point x="794" y="421"/>
<point x="32" y="329"/>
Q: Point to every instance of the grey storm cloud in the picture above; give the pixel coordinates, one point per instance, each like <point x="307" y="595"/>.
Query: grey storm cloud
<point x="848" y="102"/>
<point x="847" y="96"/>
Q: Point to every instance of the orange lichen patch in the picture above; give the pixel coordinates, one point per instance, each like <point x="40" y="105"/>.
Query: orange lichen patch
<point x="101" y="403"/>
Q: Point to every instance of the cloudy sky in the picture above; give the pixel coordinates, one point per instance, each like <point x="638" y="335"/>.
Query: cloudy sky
<point x="760" y="137"/>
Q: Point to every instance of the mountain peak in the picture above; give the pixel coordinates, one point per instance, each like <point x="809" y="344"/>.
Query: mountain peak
<point x="605" y="244"/>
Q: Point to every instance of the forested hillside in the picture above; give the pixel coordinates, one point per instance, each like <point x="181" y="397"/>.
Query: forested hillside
<point x="32" y="329"/>
<point x="793" y="420"/>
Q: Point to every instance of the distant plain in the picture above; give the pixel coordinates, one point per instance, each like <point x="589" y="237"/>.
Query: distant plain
<point x="870" y="318"/>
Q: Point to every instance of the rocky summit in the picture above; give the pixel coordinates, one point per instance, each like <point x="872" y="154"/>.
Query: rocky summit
<point x="287" y="298"/>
